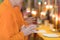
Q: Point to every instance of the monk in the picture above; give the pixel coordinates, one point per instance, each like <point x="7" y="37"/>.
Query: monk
<point x="12" y="24"/>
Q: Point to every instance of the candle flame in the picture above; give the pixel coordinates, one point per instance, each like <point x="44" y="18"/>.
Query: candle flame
<point x="34" y="12"/>
<point x="28" y="10"/>
<point x="39" y="3"/>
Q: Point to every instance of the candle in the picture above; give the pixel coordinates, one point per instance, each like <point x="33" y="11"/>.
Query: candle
<point x="39" y="9"/>
<point x="45" y="3"/>
<point x="56" y="22"/>
<point x="49" y="6"/>
<point x="34" y="13"/>
<point x="53" y="16"/>
<point x="28" y="10"/>
<point x="39" y="3"/>
<point x="53" y="30"/>
<point x="43" y="13"/>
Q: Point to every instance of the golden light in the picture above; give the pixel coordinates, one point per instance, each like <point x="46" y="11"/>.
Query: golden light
<point x="49" y="6"/>
<point x="39" y="3"/>
<point x="53" y="29"/>
<point x="57" y="18"/>
<point x="45" y="3"/>
<point x="53" y="16"/>
<point x="56" y="22"/>
<point x="34" y="12"/>
<point x="43" y="13"/>
<point x="28" y="10"/>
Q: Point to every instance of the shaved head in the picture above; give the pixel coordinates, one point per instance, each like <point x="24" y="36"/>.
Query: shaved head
<point x="16" y="2"/>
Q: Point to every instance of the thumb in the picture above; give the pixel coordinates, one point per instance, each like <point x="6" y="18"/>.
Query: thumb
<point x="23" y="27"/>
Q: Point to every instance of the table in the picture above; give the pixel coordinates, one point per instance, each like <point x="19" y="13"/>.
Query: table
<point x="47" y="29"/>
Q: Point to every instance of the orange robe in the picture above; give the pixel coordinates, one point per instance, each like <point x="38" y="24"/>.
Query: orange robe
<point x="10" y="22"/>
<point x="20" y="20"/>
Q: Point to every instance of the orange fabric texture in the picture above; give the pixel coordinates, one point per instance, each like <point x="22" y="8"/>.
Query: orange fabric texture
<point x="20" y="17"/>
<point x="10" y="22"/>
<point x="20" y="20"/>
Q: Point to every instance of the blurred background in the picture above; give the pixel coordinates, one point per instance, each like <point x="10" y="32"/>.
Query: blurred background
<point x="43" y="12"/>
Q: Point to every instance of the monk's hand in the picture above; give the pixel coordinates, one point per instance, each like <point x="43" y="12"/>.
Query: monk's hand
<point x="30" y="20"/>
<point x="29" y="30"/>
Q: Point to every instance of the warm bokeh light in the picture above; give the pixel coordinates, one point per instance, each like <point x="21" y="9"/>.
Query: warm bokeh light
<point x="45" y="3"/>
<point x="49" y="6"/>
<point x="28" y="10"/>
<point x="56" y="18"/>
<point x="53" y="16"/>
<point x="43" y="13"/>
<point x="39" y="3"/>
<point x="53" y="30"/>
<point x="34" y="12"/>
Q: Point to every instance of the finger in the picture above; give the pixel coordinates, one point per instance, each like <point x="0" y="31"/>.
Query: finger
<point x="29" y="32"/>
<point x="32" y="26"/>
<point x="34" y="31"/>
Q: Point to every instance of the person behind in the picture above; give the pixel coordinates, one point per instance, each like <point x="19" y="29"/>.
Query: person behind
<point x="12" y="24"/>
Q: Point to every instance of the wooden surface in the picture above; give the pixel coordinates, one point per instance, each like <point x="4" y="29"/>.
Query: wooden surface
<point x="48" y="30"/>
